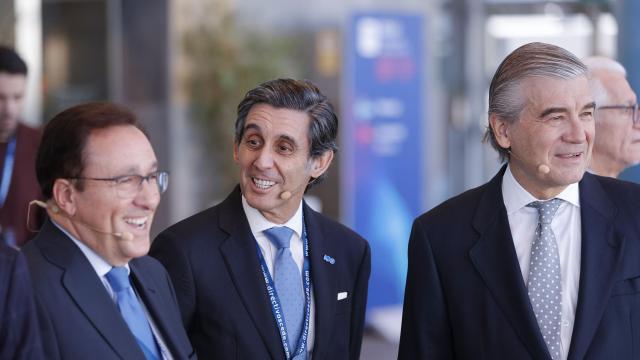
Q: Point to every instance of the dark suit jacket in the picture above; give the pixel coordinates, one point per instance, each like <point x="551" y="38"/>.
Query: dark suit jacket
<point x="79" y="320"/>
<point x="19" y="335"/>
<point x="465" y="297"/>
<point x="212" y="258"/>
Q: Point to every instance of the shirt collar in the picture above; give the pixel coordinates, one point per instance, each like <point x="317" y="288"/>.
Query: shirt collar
<point x="100" y="265"/>
<point x="516" y="197"/>
<point x="258" y="223"/>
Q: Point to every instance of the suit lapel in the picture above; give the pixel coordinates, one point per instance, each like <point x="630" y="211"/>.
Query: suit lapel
<point x="601" y="253"/>
<point x="323" y="276"/>
<point x="495" y="259"/>
<point x="155" y="304"/>
<point x="87" y="291"/>
<point x="241" y="258"/>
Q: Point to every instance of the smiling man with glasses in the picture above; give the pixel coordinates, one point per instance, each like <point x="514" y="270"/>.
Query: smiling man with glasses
<point x="617" y="141"/>
<point x="99" y="296"/>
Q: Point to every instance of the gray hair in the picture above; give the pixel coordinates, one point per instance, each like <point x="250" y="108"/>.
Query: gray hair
<point x="300" y="95"/>
<point x="530" y="60"/>
<point x="597" y="64"/>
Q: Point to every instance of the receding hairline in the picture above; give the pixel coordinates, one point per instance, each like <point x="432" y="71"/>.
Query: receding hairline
<point x="94" y="135"/>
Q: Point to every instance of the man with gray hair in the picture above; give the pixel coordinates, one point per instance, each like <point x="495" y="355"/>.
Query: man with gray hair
<point x="617" y="145"/>
<point x="543" y="261"/>
<point x="261" y="275"/>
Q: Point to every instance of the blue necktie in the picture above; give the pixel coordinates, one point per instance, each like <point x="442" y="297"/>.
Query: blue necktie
<point x="545" y="292"/>
<point x="132" y="312"/>
<point x="288" y="283"/>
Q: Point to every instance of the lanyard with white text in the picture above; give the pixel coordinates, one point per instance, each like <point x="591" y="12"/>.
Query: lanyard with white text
<point x="7" y="170"/>
<point x="274" y="300"/>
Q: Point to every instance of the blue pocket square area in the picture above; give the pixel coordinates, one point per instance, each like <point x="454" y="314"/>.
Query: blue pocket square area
<point x="329" y="259"/>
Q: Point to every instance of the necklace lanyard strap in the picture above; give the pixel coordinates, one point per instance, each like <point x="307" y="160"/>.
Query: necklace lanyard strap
<point x="274" y="300"/>
<point x="7" y="170"/>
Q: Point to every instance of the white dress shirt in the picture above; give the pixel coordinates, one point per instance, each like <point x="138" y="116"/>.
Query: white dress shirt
<point x="102" y="267"/>
<point x="523" y="221"/>
<point x="258" y="223"/>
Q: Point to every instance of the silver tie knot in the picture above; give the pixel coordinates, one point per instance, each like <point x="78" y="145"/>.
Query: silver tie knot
<point x="546" y="209"/>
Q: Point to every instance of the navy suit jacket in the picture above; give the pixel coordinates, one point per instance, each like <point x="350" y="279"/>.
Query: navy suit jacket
<point x="212" y="258"/>
<point x="465" y="297"/>
<point x="19" y="335"/>
<point x="79" y="320"/>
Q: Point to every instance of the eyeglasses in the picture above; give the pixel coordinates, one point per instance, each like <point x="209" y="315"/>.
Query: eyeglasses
<point x="628" y="110"/>
<point x="128" y="186"/>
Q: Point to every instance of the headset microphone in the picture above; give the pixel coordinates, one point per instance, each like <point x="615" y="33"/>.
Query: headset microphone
<point x="125" y="235"/>
<point x="543" y="169"/>
<point x="286" y="195"/>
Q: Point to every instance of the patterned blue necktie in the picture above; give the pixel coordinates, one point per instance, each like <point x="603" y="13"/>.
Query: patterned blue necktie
<point x="132" y="312"/>
<point x="288" y="283"/>
<point x="545" y="292"/>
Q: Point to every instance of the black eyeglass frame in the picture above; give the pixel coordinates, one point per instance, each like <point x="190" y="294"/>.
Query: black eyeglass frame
<point x="162" y="180"/>
<point x="635" y="115"/>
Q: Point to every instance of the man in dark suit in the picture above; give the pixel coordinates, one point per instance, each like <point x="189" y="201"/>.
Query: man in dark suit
<point x="97" y="295"/>
<point x="543" y="261"/>
<point x="19" y="335"/>
<point x="234" y="276"/>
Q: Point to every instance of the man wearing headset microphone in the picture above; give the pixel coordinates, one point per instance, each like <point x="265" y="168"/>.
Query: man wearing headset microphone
<point x="543" y="261"/>
<point x="261" y="275"/>
<point x="98" y="296"/>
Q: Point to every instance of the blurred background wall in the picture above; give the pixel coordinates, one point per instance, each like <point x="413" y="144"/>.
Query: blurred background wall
<point x="409" y="78"/>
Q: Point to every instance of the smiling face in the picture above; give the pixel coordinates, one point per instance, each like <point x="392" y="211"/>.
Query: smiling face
<point x="98" y="208"/>
<point x="618" y="142"/>
<point x="273" y="156"/>
<point x="555" y="128"/>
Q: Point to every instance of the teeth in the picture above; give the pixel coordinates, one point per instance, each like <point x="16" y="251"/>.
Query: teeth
<point x="263" y="184"/>
<point x="139" y="222"/>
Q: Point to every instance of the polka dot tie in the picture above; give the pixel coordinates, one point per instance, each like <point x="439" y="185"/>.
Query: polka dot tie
<point x="288" y="281"/>
<point x="544" y="277"/>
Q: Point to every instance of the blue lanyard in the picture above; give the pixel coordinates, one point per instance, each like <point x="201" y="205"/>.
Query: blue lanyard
<point x="274" y="300"/>
<point x="7" y="170"/>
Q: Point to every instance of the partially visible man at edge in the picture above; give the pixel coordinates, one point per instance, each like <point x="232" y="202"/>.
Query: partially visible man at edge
<point x="18" y="146"/>
<point x="617" y="142"/>
<point x="19" y="334"/>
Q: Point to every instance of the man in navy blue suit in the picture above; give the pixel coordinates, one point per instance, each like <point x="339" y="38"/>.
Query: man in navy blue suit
<point x="543" y="261"/>
<point x="19" y="335"/>
<point x="98" y="295"/>
<point x="228" y="262"/>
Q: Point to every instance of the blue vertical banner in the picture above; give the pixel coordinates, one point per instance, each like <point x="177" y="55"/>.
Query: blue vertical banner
<point x="381" y="170"/>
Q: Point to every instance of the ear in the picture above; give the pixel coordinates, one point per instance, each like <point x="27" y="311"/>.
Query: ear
<point x="64" y="196"/>
<point x="235" y="151"/>
<point x="500" y="129"/>
<point x="320" y="164"/>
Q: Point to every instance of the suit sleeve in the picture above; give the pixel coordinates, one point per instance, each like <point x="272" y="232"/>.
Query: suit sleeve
<point x="19" y="335"/>
<point x="172" y="254"/>
<point x="360" y="304"/>
<point x="426" y="331"/>
<point x="49" y="335"/>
